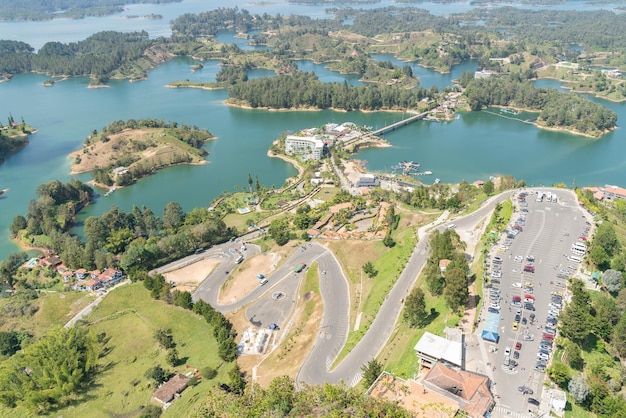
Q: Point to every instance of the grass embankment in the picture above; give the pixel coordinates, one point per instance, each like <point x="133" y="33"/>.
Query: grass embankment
<point x="129" y="317"/>
<point x="367" y="295"/>
<point x="301" y="336"/>
<point x="50" y="309"/>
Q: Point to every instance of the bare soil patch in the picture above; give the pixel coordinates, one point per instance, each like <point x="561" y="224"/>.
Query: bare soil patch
<point x="189" y="277"/>
<point x="244" y="277"/>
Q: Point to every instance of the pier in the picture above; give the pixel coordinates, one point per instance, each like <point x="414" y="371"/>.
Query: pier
<point x="399" y="124"/>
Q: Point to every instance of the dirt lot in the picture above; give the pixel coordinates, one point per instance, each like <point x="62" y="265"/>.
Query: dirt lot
<point x="244" y="277"/>
<point x="188" y="278"/>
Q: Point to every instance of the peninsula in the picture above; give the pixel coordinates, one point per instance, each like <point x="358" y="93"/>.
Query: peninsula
<point x="127" y="150"/>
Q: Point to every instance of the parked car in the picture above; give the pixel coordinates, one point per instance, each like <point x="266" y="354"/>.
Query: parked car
<point x="529" y="306"/>
<point x="533" y="401"/>
<point x="493" y="310"/>
<point x="518" y="345"/>
<point x="516" y="354"/>
<point x="528" y="337"/>
<point x="524" y="321"/>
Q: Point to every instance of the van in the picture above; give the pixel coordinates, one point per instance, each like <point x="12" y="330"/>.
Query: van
<point x="578" y="252"/>
<point x="263" y="282"/>
<point x="574" y="259"/>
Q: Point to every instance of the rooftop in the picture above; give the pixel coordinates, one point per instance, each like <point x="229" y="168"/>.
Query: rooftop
<point x="440" y="348"/>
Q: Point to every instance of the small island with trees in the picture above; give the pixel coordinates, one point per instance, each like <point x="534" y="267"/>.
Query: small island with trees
<point x="125" y="151"/>
<point x="13" y="136"/>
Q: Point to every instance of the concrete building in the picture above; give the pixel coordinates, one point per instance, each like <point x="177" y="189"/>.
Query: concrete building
<point x="431" y="349"/>
<point x="311" y="146"/>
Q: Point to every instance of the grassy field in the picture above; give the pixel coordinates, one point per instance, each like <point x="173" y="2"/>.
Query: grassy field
<point x="129" y="317"/>
<point x="52" y="309"/>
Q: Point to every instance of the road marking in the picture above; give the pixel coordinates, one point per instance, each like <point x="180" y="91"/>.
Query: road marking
<point x="328" y="363"/>
<point x="505" y="411"/>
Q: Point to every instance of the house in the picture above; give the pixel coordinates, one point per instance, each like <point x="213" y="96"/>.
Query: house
<point x="469" y="390"/>
<point x="110" y="276"/>
<point x="479" y="183"/>
<point x="119" y="171"/>
<point x="171" y="389"/>
<point x="482" y="74"/>
<point x="92" y="284"/>
<point x="443" y="265"/>
<point x="81" y="274"/>
<point x="50" y="261"/>
<point x="558" y="400"/>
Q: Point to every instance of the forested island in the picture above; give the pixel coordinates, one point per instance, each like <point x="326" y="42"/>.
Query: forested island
<point x="13" y="136"/>
<point x="124" y="151"/>
<point x="72" y="9"/>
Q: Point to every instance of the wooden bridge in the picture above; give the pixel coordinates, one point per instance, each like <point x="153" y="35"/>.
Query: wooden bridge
<point x="399" y="124"/>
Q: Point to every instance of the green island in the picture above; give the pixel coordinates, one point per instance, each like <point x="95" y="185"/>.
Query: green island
<point x="125" y="151"/>
<point x="13" y="136"/>
<point x="15" y="10"/>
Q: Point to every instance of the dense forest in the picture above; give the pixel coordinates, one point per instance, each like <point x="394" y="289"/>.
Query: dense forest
<point x="99" y="55"/>
<point x="13" y="136"/>
<point x="74" y="9"/>
<point x="304" y="90"/>
<point x="557" y="109"/>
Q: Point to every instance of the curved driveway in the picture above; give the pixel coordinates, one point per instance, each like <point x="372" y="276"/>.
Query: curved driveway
<point x="333" y="330"/>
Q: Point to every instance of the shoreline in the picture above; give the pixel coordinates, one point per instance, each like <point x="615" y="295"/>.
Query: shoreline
<point x="291" y="161"/>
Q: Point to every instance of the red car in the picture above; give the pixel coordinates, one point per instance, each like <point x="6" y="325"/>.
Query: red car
<point x="528" y="296"/>
<point x="518" y="346"/>
<point x="548" y="336"/>
<point x="528" y="268"/>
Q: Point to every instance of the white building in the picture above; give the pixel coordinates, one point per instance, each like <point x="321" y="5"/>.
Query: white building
<point x="431" y="348"/>
<point x="308" y="145"/>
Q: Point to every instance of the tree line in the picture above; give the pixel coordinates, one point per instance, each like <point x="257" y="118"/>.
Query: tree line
<point x="98" y="55"/>
<point x="556" y="109"/>
<point x="304" y="90"/>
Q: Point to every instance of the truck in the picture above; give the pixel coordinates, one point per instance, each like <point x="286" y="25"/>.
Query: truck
<point x="299" y="268"/>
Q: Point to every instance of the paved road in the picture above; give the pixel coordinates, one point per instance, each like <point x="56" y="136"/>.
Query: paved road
<point x="334" y="289"/>
<point x="315" y="369"/>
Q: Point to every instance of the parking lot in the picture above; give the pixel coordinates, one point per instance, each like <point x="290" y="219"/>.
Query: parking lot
<point x="528" y="270"/>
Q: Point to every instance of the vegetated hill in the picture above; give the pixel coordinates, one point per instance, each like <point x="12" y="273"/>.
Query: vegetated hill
<point x="126" y="322"/>
<point x="140" y="146"/>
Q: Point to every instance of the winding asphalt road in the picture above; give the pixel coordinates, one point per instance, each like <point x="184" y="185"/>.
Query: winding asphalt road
<point x="333" y="330"/>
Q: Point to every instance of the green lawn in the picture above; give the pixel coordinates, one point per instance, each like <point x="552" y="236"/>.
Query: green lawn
<point x="398" y="357"/>
<point x="129" y="317"/>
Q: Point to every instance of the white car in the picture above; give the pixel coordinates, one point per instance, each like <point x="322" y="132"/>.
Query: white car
<point x="451" y="226"/>
<point x="519" y="258"/>
<point x="518" y="284"/>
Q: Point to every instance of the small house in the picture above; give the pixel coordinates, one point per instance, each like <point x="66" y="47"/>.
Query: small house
<point x="171" y="389"/>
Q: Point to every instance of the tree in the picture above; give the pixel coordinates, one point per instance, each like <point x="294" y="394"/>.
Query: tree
<point x="388" y="240"/>
<point x="19" y="223"/>
<point x="559" y="372"/>
<point x="173" y="215"/>
<point x="619" y="336"/>
<point x="157" y="374"/>
<point x="208" y="372"/>
<point x="9" y="343"/>
<point x="368" y="268"/>
<point x="236" y="380"/>
<point x="415" y="308"/>
<point x="279" y="231"/>
<point x="250" y="182"/>
<point x="488" y="187"/>
<point x="578" y="388"/>
<point x="182" y="299"/>
<point x="280" y="396"/>
<point x="172" y="357"/>
<point x="456" y="291"/>
<point x="612" y="279"/>
<point x="371" y="371"/>
<point x="151" y="411"/>
<point x="164" y="338"/>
